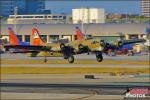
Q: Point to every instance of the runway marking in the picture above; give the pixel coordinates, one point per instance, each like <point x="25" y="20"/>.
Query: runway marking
<point x="84" y="97"/>
<point x="94" y="92"/>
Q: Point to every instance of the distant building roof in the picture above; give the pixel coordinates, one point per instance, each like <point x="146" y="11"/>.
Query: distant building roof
<point x="69" y="29"/>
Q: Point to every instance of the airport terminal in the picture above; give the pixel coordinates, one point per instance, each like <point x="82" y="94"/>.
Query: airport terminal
<point x="50" y="32"/>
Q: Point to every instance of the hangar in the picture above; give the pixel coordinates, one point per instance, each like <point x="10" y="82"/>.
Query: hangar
<point x="50" y="32"/>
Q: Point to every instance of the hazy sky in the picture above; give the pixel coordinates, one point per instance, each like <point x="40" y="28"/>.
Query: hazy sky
<point x="111" y="6"/>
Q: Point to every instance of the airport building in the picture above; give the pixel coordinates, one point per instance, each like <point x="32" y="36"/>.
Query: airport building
<point x="7" y="7"/>
<point x="145" y="8"/>
<point x="51" y="32"/>
<point x="88" y="15"/>
<point x="37" y="19"/>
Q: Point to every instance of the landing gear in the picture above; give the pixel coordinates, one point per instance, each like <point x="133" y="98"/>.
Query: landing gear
<point x="99" y="56"/>
<point x="45" y="59"/>
<point x="67" y="51"/>
<point x="71" y="59"/>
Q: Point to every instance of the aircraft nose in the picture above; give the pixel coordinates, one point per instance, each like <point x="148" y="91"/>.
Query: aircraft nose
<point x="100" y="48"/>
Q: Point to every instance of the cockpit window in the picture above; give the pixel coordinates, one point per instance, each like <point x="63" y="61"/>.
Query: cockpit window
<point x="94" y="42"/>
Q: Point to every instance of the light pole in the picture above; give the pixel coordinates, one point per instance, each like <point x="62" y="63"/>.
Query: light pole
<point x="15" y="22"/>
<point x="82" y="19"/>
<point x="126" y="16"/>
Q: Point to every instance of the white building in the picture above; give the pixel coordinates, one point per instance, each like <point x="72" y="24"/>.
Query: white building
<point x="37" y="19"/>
<point x="88" y="15"/>
<point x="145" y="8"/>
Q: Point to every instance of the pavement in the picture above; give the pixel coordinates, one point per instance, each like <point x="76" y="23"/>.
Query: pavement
<point x="103" y="86"/>
<point x="82" y="60"/>
<point x="54" y="96"/>
<point x="69" y="87"/>
<point x="74" y="78"/>
<point x="90" y="57"/>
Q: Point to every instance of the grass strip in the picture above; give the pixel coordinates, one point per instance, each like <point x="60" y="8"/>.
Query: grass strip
<point x="76" y="70"/>
<point x="38" y="61"/>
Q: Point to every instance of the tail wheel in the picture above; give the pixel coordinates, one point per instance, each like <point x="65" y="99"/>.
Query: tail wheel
<point x="99" y="58"/>
<point x="71" y="59"/>
<point x="45" y="59"/>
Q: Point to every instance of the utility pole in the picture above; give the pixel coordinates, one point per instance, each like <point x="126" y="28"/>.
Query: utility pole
<point x="82" y="19"/>
<point x="15" y="22"/>
<point x="126" y="16"/>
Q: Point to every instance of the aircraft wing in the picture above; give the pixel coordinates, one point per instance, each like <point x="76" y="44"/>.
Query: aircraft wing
<point x="28" y="47"/>
<point x="119" y="44"/>
<point x="133" y="41"/>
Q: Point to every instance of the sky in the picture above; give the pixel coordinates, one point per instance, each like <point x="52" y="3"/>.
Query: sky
<point x="110" y="6"/>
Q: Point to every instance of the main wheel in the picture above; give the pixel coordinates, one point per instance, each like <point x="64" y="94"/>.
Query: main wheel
<point x="71" y="59"/>
<point x="99" y="58"/>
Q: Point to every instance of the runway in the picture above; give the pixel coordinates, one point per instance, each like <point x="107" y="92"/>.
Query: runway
<point x="69" y="88"/>
<point x="71" y="85"/>
<point x="75" y="65"/>
<point x="90" y="57"/>
<point x="81" y="86"/>
<point x="83" y="60"/>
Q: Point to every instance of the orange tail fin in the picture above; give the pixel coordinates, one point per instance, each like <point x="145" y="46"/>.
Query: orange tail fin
<point x="13" y="38"/>
<point x="79" y="34"/>
<point x="36" y="39"/>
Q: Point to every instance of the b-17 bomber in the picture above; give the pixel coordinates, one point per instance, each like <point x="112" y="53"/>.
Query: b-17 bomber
<point x="69" y="49"/>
